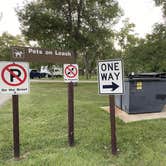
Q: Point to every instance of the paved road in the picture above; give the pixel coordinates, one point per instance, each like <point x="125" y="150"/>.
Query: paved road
<point x="85" y="81"/>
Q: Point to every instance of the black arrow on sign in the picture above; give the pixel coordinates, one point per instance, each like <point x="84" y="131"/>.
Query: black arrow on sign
<point x="113" y="86"/>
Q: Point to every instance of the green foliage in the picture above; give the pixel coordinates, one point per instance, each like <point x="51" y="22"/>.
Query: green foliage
<point x="67" y="24"/>
<point x="163" y="4"/>
<point x="126" y="36"/>
<point x="6" y="41"/>
<point x="83" y="26"/>
<point x="150" y="54"/>
<point x="126" y="41"/>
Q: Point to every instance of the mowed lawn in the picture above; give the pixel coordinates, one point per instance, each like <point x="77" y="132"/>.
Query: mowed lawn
<point x="43" y="131"/>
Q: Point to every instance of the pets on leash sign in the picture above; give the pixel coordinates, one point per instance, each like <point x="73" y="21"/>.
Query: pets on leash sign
<point x="70" y="72"/>
<point x="110" y="77"/>
<point x="14" y="78"/>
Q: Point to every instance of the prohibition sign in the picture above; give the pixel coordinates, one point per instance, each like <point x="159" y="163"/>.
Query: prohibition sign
<point x="71" y="71"/>
<point x="7" y="69"/>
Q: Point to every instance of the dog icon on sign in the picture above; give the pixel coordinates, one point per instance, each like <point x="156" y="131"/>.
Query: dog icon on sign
<point x="18" y="53"/>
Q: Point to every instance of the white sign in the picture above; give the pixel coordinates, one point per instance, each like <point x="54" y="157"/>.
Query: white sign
<point x="14" y="78"/>
<point x="110" y="77"/>
<point x="70" y="72"/>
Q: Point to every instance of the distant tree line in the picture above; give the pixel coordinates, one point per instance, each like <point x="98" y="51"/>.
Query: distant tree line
<point x="86" y="28"/>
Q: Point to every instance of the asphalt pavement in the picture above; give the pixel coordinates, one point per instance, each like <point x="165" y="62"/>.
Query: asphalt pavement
<point x="62" y="81"/>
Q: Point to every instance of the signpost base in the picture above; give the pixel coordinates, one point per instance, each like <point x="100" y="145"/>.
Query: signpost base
<point x="16" y="127"/>
<point x="112" y="122"/>
<point x="70" y="114"/>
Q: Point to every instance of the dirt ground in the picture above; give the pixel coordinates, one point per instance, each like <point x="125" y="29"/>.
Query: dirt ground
<point x="136" y="117"/>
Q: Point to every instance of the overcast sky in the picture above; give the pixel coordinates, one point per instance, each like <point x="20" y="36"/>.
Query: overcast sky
<point x="141" y="12"/>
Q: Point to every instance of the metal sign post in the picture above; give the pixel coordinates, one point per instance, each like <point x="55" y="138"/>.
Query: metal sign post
<point x="14" y="80"/>
<point x="16" y="126"/>
<point x="112" y="122"/>
<point x="70" y="76"/>
<point x="70" y="114"/>
<point x="110" y="78"/>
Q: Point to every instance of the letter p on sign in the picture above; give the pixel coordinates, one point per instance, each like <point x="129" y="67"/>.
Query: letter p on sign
<point x="14" y="78"/>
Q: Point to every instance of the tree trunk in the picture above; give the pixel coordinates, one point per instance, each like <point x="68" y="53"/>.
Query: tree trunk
<point x="86" y="66"/>
<point x="75" y="56"/>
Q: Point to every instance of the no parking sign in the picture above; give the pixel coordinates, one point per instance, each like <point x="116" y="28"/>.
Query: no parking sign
<point x="14" y="78"/>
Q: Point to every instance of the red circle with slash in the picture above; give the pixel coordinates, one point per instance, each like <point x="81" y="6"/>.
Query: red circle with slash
<point x="71" y="71"/>
<point x="7" y="69"/>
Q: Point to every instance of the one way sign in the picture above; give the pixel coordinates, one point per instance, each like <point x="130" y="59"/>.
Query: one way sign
<point x="110" y="77"/>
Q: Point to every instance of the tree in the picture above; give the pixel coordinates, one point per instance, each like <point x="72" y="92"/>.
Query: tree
<point x="150" y="53"/>
<point x="101" y="48"/>
<point x="76" y="25"/>
<point x="126" y="39"/>
<point x="6" y="41"/>
<point x="163" y="4"/>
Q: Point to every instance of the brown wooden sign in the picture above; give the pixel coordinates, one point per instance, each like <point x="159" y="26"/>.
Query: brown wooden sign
<point x="32" y="54"/>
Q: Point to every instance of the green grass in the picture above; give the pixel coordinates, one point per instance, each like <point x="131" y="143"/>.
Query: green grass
<point x="43" y="132"/>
